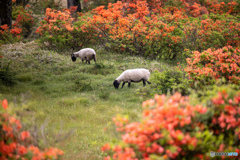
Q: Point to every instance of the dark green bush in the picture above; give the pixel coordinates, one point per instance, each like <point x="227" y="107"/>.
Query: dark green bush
<point x="7" y="77"/>
<point x="170" y="81"/>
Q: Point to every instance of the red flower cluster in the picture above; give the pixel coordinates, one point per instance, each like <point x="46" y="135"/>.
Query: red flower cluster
<point x="228" y="116"/>
<point x="56" y="20"/>
<point x="162" y="130"/>
<point x="16" y="144"/>
<point x="6" y="32"/>
<point x="171" y="128"/>
<point x="212" y="63"/>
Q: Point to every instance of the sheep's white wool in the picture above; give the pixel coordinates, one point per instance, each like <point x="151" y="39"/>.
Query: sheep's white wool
<point x="132" y="75"/>
<point x="86" y="54"/>
<point x="135" y="75"/>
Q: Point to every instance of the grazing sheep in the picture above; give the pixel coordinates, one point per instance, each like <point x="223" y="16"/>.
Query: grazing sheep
<point x="85" y="54"/>
<point x="132" y="75"/>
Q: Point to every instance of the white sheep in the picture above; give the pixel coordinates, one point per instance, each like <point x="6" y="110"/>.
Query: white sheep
<point x="132" y="75"/>
<point x="85" y="54"/>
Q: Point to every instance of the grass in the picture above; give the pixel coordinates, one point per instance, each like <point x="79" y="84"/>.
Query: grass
<point x="72" y="103"/>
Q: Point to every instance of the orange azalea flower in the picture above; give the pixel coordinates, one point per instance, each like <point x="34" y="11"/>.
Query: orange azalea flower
<point x="69" y="28"/>
<point x="7" y="128"/>
<point x="25" y="135"/>
<point x="5" y="104"/>
<point x="4" y="27"/>
<point x="106" y="147"/>
<point x="22" y="150"/>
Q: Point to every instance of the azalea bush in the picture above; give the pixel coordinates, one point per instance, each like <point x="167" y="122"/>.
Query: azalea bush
<point x="173" y="128"/>
<point x="10" y="35"/>
<point x="128" y="28"/>
<point x="208" y="66"/>
<point x="164" y="30"/>
<point x="16" y="143"/>
<point x="62" y="31"/>
<point x="23" y="19"/>
<point x="22" y="26"/>
<point x="212" y="31"/>
<point x="144" y="28"/>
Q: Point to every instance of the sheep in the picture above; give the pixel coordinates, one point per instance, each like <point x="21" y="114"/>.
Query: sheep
<point x="133" y="75"/>
<point x="85" y="54"/>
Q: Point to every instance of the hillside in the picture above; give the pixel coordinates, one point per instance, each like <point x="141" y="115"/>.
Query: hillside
<point x="73" y="99"/>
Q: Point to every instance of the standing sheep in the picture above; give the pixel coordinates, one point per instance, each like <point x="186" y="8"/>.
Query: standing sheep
<point x="85" y="54"/>
<point x="132" y="75"/>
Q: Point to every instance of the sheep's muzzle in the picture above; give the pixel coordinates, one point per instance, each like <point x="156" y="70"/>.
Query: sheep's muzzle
<point x="116" y="84"/>
<point x="73" y="58"/>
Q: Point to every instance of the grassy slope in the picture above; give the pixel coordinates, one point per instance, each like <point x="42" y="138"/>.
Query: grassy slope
<point x="60" y="96"/>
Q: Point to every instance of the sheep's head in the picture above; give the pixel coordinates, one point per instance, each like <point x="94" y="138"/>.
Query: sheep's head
<point x="116" y="84"/>
<point x="73" y="57"/>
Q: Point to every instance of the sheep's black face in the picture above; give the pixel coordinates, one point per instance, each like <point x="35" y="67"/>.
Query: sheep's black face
<point x="116" y="84"/>
<point x="73" y="57"/>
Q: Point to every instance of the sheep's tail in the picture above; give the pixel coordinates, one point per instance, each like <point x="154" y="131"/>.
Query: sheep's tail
<point x="94" y="57"/>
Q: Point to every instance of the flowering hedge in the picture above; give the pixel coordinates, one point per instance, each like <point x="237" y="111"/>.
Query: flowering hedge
<point x="211" y="31"/>
<point x="23" y="19"/>
<point x="62" y="31"/>
<point x="153" y="28"/>
<point x="208" y="66"/>
<point x="22" y="25"/>
<point x="9" y="35"/>
<point x="172" y="128"/>
<point x="131" y="28"/>
<point x="16" y="143"/>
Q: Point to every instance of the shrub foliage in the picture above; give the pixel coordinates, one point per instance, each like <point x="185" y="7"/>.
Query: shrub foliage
<point x="147" y="28"/>
<point x="172" y="128"/>
<point x="208" y="66"/>
<point x="16" y="143"/>
<point x="170" y="81"/>
<point x="22" y="26"/>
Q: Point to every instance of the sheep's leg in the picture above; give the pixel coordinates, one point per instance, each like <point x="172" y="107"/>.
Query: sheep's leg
<point x="88" y="62"/>
<point x="129" y="83"/>
<point x="144" y="83"/>
<point x="82" y="60"/>
<point x="149" y="82"/>
<point x="123" y="84"/>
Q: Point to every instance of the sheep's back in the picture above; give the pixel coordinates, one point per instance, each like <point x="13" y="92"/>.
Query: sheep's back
<point x="86" y="52"/>
<point x="134" y="75"/>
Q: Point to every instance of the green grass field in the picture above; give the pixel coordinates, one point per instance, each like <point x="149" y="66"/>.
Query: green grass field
<point x="70" y="105"/>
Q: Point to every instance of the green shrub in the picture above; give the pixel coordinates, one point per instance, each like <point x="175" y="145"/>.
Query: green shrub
<point x="170" y="81"/>
<point x="7" y="77"/>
